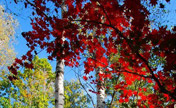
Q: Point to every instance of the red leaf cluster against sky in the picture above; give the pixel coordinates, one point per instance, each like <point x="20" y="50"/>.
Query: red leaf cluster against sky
<point x="130" y="36"/>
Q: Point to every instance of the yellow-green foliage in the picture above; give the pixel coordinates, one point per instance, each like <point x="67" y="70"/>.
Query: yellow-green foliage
<point x="7" y="32"/>
<point x="74" y="95"/>
<point x="33" y="88"/>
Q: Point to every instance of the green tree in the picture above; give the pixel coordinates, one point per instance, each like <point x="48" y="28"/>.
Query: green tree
<point x="74" y="95"/>
<point x="7" y="54"/>
<point x="32" y="88"/>
<point x="35" y="89"/>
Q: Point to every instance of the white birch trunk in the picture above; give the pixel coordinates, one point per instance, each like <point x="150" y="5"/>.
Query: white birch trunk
<point x="100" y="84"/>
<point x="100" y="90"/>
<point x="59" y="81"/>
<point x="59" y="84"/>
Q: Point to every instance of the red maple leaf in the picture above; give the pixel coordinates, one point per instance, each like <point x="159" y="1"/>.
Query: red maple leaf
<point x="85" y="78"/>
<point x="153" y="2"/>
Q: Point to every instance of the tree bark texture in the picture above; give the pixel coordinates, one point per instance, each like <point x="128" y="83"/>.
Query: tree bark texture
<point x="59" y="81"/>
<point x="100" y="90"/>
<point x="59" y="85"/>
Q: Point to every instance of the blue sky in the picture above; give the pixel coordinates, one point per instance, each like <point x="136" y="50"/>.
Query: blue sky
<point x="24" y="25"/>
<point x="22" y="16"/>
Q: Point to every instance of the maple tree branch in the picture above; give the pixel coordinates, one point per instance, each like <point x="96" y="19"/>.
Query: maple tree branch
<point x="162" y="88"/>
<point x="78" y="76"/>
<point x="112" y="98"/>
<point x="114" y="91"/>
<point x="86" y="91"/>
<point x="92" y="21"/>
<point x="138" y="91"/>
<point x="37" y="8"/>
<point x="104" y="24"/>
<point x="135" y="74"/>
<point x="105" y="12"/>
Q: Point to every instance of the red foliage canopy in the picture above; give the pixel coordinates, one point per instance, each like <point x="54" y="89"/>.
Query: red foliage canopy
<point x="129" y="27"/>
